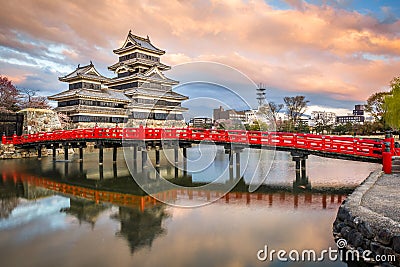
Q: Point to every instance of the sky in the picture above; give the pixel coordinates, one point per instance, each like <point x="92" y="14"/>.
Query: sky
<point x="335" y="52"/>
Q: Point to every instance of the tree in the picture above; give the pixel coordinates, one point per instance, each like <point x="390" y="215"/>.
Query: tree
<point x="275" y="108"/>
<point x="31" y="100"/>
<point x="375" y="105"/>
<point x="392" y="104"/>
<point x="9" y="95"/>
<point x="295" y="108"/>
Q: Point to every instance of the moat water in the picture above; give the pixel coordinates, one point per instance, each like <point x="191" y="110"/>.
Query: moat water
<point x="73" y="214"/>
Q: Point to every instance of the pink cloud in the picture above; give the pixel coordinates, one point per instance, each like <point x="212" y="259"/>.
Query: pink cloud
<point x="306" y="49"/>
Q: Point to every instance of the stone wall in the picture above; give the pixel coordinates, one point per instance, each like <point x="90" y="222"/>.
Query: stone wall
<point x="10" y="152"/>
<point x="39" y="120"/>
<point x="364" y="229"/>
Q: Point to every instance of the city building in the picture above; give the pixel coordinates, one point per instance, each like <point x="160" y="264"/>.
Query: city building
<point x="322" y="118"/>
<point x="140" y="94"/>
<point x="349" y="119"/>
<point x="358" y="116"/>
<point x="358" y="110"/>
<point x="245" y="116"/>
<point x="201" y="122"/>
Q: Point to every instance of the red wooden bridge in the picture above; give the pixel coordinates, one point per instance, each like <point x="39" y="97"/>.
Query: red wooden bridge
<point x="351" y="148"/>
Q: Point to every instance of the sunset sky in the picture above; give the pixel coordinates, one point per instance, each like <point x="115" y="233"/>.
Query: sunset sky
<point x="336" y="52"/>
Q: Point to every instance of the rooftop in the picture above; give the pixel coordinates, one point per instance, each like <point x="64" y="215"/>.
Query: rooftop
<point x="134" y="41"/>
<point x="88" y="72"/>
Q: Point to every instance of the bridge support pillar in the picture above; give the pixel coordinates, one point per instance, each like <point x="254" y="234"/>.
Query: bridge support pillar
<point x="80" y="153"/>
<point x="54" y="153"/>
<point x="144" y="157"/>
<point x="134" y="152"/>
<point x="66" y="152"/>
<point x="101" y="154"/>
<point x="301" y="181"/>
<point x="66" y="169"/>
<point x="39" y="152"/>
<point x="237" y="164"/>
<point x="230" y="158"/>
<point x="176" y="154"/>
<point x="115" y="171"/>
<point x="114" y="154"/>
<point x="101" y="172"/>
<point x="157" y="157"/>
<point x="303" y="168"/>
<point x="184" y="150"/>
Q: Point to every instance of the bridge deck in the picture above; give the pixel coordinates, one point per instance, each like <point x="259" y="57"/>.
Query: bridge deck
<point x="322" y="145"/>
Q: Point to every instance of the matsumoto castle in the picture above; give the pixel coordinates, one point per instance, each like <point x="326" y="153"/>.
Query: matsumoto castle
<point x="140" y="94"/>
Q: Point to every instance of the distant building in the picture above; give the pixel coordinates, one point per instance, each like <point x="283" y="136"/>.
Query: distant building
<point x="323" y="118"/>
<point x="201" y="122"/>
<point x="350" y="119"/>
<point x="358" y="116"/>
<point x="245" y="116"/>
<point x="140" y="93"/>
<point x="358" y="110"/>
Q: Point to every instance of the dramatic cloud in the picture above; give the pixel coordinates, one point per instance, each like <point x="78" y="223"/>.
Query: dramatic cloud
<point x="327" y="49"/>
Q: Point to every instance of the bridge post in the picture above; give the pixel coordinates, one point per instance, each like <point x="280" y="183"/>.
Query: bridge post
<point x="301" y="170"/>
<point x="230" y="158"/>
<point x="101" y="172"/>
<point x="297" y="168"/>
<point x="54" y="152"/>
<point x="303" y="167"/>
<point x="176" y="172"/>
<point x="80" y="153"/>
<point x="144" y="157"/>
<point x="65" y="151"/>
<point x="114" y="155"/>
<point x="135" y="152"/>
<point x="66" y="169"/>
<point x="176" y="154"/>
<point x="101" y="154"/>
<point x="39" y="151"/>
<point x="238" y="164"/>
<point x="387" y="153"/>
<point x="184" y="149"/>
<point x="115" y="171"/>
<point x="157" y="156"/>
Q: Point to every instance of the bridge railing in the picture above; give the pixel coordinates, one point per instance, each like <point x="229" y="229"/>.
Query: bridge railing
<point x="332" y="144"/>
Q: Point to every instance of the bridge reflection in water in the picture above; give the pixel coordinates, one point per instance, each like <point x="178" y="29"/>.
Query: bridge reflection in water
<point x="140" y="215"/>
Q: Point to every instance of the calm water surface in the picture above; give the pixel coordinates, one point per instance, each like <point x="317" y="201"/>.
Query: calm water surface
<point x="58" y="214"/>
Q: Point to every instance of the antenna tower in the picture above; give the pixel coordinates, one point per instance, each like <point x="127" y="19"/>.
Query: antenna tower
<point x="261" y="95"/>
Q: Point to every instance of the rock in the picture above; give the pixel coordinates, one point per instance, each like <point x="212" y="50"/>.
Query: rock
<point x="396" y="243"/>
<point x="365" y="229"/>
<point x="345" y="232"/>
<point x="355" y="238"/>
<point x="342" y="213"/>
<point x="338" y="227"/>
<point x="376" y="248"/>
<point x="384" y="236"/>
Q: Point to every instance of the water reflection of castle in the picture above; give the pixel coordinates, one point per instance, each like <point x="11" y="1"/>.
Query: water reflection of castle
<point x="140" y="216"/>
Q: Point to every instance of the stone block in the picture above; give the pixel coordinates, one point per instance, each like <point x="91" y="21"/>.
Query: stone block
<point x="384" y="236"/>
<point x="365" y="229"/>
<point x="396" y="243"/>
<point x="355" y="238"/>
<point x="345" y="232"/>
<point x="376" y="248"/>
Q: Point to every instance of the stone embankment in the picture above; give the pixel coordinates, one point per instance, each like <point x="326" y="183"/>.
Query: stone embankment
<point x="369" y="219"/>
